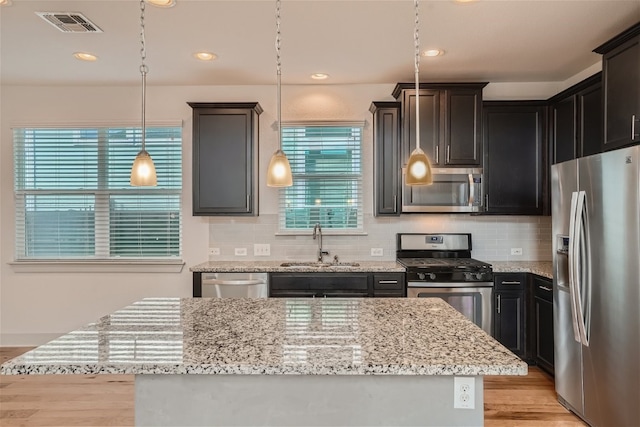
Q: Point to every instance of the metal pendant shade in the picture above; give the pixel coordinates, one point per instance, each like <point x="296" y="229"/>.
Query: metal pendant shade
<point x="279" y="172"/>
<point x="143" y="171"/>
<point x="419" y="171"/>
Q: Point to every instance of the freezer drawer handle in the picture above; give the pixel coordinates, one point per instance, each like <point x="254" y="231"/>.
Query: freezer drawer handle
<point x="510" y="282"/>
<point x="545" y="288"/>
<point x="388" y="282"/>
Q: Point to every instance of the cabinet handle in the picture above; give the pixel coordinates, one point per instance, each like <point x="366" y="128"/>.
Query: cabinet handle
<point x="486" y="201"/>
<point x="448" y="154"/>
<point x="388" y="282"/>
<point x="248" y="202"/>
<point x="633" y="127"/>
<point x="498" y="303"/>
<point x="545" y="288"/>
<point x="437" y="155"/>
<point x="395" y="203"/>
<point x="510" y="282"/>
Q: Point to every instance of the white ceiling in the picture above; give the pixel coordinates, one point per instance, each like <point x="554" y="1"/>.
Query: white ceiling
<point x="355" y="42"/>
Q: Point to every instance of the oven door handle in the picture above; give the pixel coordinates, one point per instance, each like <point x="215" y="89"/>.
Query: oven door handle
<point x="440" y="285"/>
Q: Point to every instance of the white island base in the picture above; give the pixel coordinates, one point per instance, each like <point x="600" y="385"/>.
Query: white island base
<point x="302" y="400"/>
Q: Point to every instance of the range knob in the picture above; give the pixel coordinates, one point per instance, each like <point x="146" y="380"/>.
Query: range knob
<point x="421" y="276"/>
<point x="432" y="276"/>
<point x="479" y="276"/>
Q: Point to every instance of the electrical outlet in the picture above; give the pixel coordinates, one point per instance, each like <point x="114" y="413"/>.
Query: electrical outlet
<point x="377" y="252"/>
<point x="464" y="392"/>
<point x="214" y="251"/>
<point x="240" y="251"/>
<point x="261" y="249"/>
<point x="516" y="251"/>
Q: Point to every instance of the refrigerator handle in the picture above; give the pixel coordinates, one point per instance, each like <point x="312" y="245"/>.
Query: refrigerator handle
<point x="582" y="296"/>
<point x="571" y="259"/>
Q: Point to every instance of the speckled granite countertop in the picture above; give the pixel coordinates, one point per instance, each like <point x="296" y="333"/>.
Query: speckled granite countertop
<point x="541" y="268"/>
<point x="275" y="266"/>
<point x="333" y="336"/>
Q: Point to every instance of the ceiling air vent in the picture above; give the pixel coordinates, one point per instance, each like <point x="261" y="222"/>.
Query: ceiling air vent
<point x="69" y="22"/>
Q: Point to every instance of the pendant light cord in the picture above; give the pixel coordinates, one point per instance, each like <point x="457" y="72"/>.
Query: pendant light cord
<point x="143" y="71"/>
<point x="279" y="73"/>
<point x="416" y="36"/>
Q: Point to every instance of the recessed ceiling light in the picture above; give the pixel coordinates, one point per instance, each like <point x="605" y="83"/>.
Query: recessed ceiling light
<point x="162" y="3"/>
<point x="205" y="56"/>
<point x="319" y="76"/>
<point x="84" y="56"/>
<point x="5" y="2"/>
<point x="433" y="52"/>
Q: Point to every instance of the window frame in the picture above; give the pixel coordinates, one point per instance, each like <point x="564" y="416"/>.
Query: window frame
<point x="356" y="178"/>
<point x="102" y="259"/>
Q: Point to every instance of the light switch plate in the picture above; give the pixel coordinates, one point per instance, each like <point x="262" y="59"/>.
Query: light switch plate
<point x="377" y="252"/>
<point x="240" y="251"/>
<point x="214" y="251"/>
<point x="516" y="251"/>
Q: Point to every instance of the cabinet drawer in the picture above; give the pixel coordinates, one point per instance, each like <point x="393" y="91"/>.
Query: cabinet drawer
<point x="543" y="288"/>
<point x="389" y="281"/>
<point x="509" y="281"/>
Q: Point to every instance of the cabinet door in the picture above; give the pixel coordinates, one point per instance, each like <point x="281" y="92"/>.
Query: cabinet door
<point x="430" y="125"/>
<point x="386" y="148"/>
<point x="515" y="158"/>
<point x="544" y="334"/>
<point x="463" y="123"/>
<point x="621" y="79"/>
<point x="509" y="321"/>
<point x="542" y="318"/>
<point x="563" y="117"/>
<point x="590" y="121"/>
<point x="225" y="158"/>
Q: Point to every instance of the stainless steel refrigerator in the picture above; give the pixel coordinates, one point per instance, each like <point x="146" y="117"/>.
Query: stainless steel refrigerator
<point x="596" y="246"/>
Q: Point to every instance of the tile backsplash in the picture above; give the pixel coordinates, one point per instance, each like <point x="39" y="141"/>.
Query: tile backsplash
<point x="493" y="237"/>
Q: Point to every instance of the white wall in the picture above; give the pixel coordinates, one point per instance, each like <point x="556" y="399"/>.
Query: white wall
<point x="38" y="306"/>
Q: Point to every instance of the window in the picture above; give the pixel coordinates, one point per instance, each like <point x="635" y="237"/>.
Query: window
<point x="327" y="177"/>
<point x="73" y="198"/>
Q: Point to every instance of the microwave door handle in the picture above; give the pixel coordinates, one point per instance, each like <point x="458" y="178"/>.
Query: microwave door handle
<point x="472" y="190"/>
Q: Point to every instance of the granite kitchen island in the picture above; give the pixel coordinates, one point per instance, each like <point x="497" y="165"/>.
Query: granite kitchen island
<point x="370" y="361"/>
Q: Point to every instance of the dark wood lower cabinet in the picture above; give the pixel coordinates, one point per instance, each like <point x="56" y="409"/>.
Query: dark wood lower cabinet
<point x="523" y="317"/>
<point x="542" y="323"/>
<point x="510" y="311"/>
<point x="327" y="285"/>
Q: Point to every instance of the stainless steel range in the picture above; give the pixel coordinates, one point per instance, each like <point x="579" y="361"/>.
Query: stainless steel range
<point x="440" y="265"/>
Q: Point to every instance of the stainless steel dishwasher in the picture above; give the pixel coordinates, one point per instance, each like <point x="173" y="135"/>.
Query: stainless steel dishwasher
<point x="234" y="285"/>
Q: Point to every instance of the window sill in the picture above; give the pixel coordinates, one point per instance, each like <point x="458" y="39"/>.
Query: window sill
<point x="325" y="232"/>
<point x="98" y="266"/>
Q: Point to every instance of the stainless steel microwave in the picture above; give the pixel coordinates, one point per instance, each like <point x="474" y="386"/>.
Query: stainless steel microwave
<point x="453" y="190"/>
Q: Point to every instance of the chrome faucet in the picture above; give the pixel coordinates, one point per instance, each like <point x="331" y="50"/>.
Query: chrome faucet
<point x="317" y="235"/>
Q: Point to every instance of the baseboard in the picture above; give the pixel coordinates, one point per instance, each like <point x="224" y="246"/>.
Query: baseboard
<point x="26" y="340"/>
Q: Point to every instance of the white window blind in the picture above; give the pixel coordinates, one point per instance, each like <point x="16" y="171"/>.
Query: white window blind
<point x="74" y="201"/>
<point x="327" y="177"/>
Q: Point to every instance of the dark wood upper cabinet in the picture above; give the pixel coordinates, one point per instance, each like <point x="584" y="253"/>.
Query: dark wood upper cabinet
<point x="450" y="122"/>
<point x="621" y="88"/>
<point x="225" y="158"/>
<point x="576" y="120"/>
<point x="386" y="153"/>
<point x="516" y="160"/>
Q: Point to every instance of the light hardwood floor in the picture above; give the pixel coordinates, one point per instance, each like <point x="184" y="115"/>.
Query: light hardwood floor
<point x="107" y="400"/>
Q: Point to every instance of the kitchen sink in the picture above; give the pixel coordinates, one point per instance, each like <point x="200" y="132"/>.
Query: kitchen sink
<point x="316" y="264"/>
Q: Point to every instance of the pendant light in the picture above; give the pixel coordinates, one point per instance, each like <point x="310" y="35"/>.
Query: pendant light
<point x="143" y="171"/>
<point x="419" y="167"/>
<point x="279" y="172"/>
